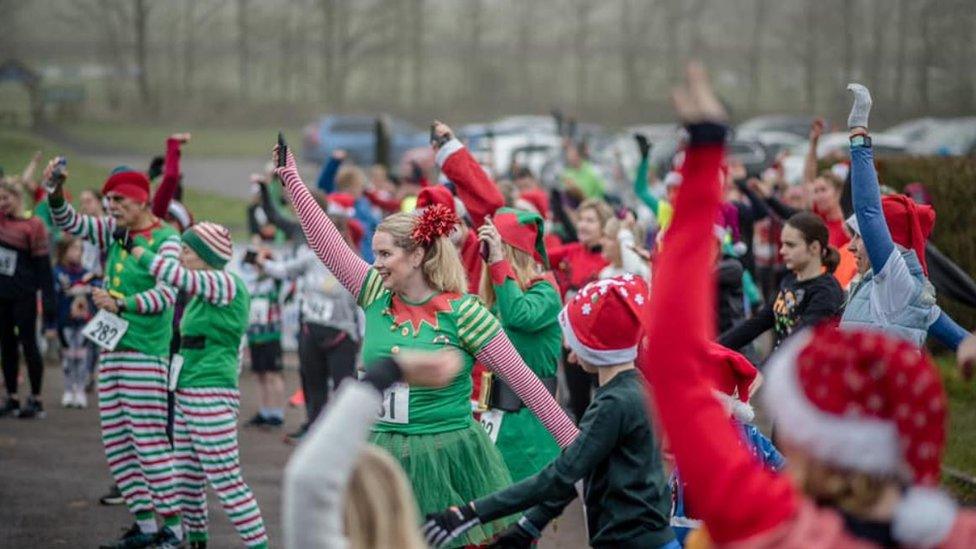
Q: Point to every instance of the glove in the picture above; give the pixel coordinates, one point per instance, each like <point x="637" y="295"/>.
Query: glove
<point x="121" y="236"/>
<point x="442" y="527"/>
<point x="645" y="146"/>
<point x="513" y="537"/>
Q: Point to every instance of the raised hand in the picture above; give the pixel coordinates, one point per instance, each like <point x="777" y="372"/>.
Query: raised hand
<point x="694" y="100"/>
<point x="861" y="107"/>
<point x="183" y="138"/>
<point x="442" y="134"/>
<point x="643" y="144"/>
<point x="291" y="166"/>
<point x="488" y="234"/>
<point x="966" y="356"/>
<point x="816" y="129"/>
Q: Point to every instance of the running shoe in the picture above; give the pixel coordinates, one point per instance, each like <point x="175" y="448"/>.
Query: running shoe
<point x="81" y="399"/>
<point x="257" y="421"/>
<point x="68" y="399"/>
<point x="10" y="407"/>
<point x="113" y="497"/>
<point x="166" y="539"/>
<point x="32" y="409"/>
<point x="133" y="538"/>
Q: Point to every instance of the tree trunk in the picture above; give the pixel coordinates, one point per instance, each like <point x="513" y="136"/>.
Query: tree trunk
<point x="755" y="55"/>
<point x="924" y="55"/>
<point x="582" y="28"/>
<point x="810" y="57"/>
<point x="242" y="49"/>
<point x="417" y="51"/>
<point x="525" y="11"/>
<point x="142" y="27"/>
<point x="847" y="9"/>
<point x="188" y="47"/>
<point x="901" y="61"/>
<point x="876" y="65"/>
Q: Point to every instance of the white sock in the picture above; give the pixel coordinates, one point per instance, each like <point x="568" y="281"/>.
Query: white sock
<point x="177" y="531"/>
<point x="148" y="526"/>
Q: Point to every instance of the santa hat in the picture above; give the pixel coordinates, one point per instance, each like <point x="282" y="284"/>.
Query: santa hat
<point x="537" y="200"/>
<point x="128" y="183"/>
<point x="910" y="223"/>
<point x="602" y="324"/>
<point x="437" y="194"/>
<point x="864" y="401"/>
<point x="211" y="242"/>
<point x="522" y="230"/>
<point x="733" y="379"/>
<point x="344" y="204"/>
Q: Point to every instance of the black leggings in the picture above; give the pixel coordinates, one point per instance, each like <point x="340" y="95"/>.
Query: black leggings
<point x="18" y="325"/>
<point x="324" y="353"/>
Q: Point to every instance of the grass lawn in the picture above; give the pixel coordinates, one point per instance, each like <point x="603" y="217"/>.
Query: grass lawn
<point x="206" y="142"/>
<point x="16" y="148"/>
<point x="961" y="443"/>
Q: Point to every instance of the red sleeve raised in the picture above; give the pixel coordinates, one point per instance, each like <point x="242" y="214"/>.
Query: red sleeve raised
<point x="171" y="179"/>
<point x="476" y="190"/>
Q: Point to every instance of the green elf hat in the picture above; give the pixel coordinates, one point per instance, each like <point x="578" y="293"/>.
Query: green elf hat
<point x="211" y="242"/>
<point x="523" y="230"/>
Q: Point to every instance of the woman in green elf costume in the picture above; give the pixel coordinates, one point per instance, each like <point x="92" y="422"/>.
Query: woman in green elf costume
<point x="413" y="297"/>
<point x="522" y="294"/>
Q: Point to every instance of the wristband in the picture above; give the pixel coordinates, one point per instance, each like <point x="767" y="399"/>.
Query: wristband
<point x="861" y="140"/>
<point x="120" y="305"/>
<point x="703" y="133"/>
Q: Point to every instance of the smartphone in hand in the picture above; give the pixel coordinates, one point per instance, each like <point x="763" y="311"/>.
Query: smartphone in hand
<point x="282" y="150"/>
<point x="57" y="174"/>
<point x="250" y="257"/>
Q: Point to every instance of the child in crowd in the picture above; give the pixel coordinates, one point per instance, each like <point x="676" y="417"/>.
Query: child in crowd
<point x="73" y="284"/>
<point x="264" y="343"/>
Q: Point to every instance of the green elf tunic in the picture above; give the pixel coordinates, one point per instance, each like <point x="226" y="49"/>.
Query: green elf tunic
<point x="529" y="318"/>
<point x="213" y="323"/>
<point x="447" y="456"/>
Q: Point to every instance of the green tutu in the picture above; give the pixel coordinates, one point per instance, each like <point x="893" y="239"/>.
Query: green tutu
<point x="451" y="468"/>
<point x="525" y="444"/>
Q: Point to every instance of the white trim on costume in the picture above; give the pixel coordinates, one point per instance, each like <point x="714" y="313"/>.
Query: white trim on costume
<point x="596" y="357"/>
<point x="863" y="444"/>
<point x="447" y="150"/>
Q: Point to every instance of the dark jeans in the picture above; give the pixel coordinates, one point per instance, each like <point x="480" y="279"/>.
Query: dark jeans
<point x="18" y="326"/>
<point x="324" y="353"/>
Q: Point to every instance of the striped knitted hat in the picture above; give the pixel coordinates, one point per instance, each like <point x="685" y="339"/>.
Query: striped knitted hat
<point x="211" y="242"/>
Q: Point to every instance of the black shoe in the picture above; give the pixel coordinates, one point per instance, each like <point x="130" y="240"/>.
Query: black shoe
<point x="113" y="497"/>
<point x="32" y="409"/>
<point x="257" y="421"/>
<point x="166" y="539"/>
<point x="273" y="422"/>
<point x="133" y="538"/>
<point x="10" y="407"/>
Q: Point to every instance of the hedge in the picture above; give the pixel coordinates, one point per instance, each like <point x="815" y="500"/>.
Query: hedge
<point x="952" y="184"/>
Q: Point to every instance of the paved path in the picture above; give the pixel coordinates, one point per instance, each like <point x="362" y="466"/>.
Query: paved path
<point x="53" y="470"/>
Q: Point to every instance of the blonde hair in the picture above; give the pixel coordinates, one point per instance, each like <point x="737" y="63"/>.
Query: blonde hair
<point x="380" y="511"/>
<point x="602" y="209"/>
<point x="441" y="265"/>
<point x="350" y="177"/>
<point x="854" y="492"/>
<point x="12" y="186"/>
<point x="524" y="264"/>
<point x="612" y="228"/>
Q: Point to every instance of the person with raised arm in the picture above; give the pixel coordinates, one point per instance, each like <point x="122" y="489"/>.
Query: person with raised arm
<point x="893" y="293"/>
<point x="413" y="297"/>
<point x="863" y="451"/>
<point x="138" y="310"/>
<point x="205" y="380"/>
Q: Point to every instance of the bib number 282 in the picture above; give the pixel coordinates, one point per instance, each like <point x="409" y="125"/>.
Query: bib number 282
<point x="105" y="330"/>
<point x="395" y="407"/>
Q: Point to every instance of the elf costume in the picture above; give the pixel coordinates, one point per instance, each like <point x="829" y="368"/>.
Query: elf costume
<point x="860" y="401"/>
<point x="528" y="316"/>
<point x="431" y="432"/>
<point x="207" y="398"/>
<point x="132" y="378"/>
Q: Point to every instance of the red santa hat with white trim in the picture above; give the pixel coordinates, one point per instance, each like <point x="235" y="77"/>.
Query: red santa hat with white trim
<point x="602" y="324"/>
<point x="734" y="379"/>
<point x="864" y="401"/>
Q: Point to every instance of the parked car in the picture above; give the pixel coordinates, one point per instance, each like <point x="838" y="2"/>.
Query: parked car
<point x="952" y="137"/>
<point x="356" y="134"/>
<point x="789" y="123"/>
<point x="911" y="131"/>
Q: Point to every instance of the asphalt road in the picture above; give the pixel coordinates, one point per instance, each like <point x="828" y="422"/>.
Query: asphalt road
<point x="53" y="470"/>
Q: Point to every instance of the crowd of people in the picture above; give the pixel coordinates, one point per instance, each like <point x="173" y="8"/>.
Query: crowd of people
<point x="477" y="350"/>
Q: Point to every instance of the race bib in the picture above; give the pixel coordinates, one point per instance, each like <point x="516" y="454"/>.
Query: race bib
<point x="492" y="422"/>
<point x="105" y="329"/>
<point x="8" y="261"/>
<point x="175" y="367"/>
<point x="395" y="407"/>
<point x="317" y="310"/>
<point x="260" y="311"/>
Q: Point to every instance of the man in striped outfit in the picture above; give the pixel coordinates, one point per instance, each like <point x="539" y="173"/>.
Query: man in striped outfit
<point x="205" y="423"/>
<point x="132" y="376"/>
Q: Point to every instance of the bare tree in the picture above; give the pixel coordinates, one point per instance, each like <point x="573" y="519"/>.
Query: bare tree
<point x="141" y="21"/>
<point x="760" y="15"/>
<point x="583" y="9"/>
<point x="901" y="61"/>
<point x="242" y="49"/>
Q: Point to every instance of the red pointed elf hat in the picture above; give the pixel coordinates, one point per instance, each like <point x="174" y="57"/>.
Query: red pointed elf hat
<point x="522" y="230"/>
<point x="602" y="324"/>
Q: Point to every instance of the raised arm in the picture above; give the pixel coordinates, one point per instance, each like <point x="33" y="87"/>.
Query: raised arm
<point x="216" y="287"/>
<point x="947" y="332"/>
<point x="640" y="180"/>
<point x="475" y="188"/>
<point x="481" y="335"/>
<point x="322" y="235"/>
<point x="326" y="180"/>
<point x="679" y="324"/>
<point x="294" y="267"/>
<point x="171" y="175"/>
<point x="292" y="229"/>
<point x="163" y="295"/>
<point x="97" y="230"/>
<point x="744" y="332"/>
<point x="810" y="160"/>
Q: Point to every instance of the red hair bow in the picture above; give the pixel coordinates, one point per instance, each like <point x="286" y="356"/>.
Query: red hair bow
<point x="434" y="222"/>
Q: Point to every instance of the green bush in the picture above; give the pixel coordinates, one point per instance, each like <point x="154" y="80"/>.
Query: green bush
<point x="952" y="184"/>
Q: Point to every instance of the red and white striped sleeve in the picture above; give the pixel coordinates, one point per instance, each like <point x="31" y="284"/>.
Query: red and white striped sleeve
<point x="214" y="286"/>
<point x="323" y="237"/>
<point x="163" y="295"/>
<point x="97" y="230"/>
